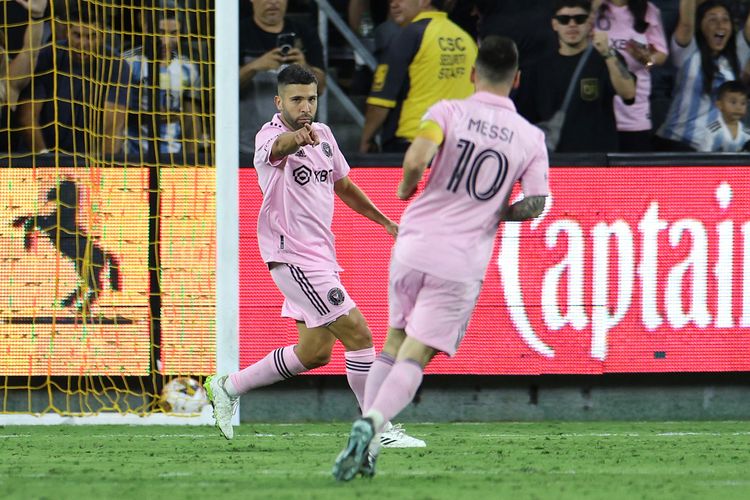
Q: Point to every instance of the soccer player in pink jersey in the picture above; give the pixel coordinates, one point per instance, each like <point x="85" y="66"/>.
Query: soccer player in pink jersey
<point x="300" y="167"/>
<point x="481" y="147"/>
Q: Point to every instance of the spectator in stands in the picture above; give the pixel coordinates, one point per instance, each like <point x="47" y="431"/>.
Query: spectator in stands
<point x="80" y="92"/>
<point x="431" y="59"/>
<point x="524" y="22"/>
<point x="384" y="33"/>
<point x="727" y="134"/>
<point x="176" y="111"/>
<point x="15" y="73"/>
<point x="707" y="53"/>
<point x="634" y="28"/>
<point x="358" y="10"/>
<point x="589" y="125"/>
<point x="269" y="42"/>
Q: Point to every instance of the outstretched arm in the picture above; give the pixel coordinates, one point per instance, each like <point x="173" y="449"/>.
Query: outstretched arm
<point x="622" y="80"/>
<point x="418" y="156"/>
<point x="525" y="209"/>
<point x="289" y="142"/>
<point x="685" y="29"/>
<point x="22" y="66"/>
<point x="375" y="117"/>
<point x="358" y="201"/>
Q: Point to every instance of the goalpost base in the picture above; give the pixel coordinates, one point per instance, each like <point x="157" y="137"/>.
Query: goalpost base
<point x="203" y="418"/>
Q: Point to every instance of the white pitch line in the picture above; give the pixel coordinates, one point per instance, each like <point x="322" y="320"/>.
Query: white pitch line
<point x="614" y="434"/>
<point x="175" y="474"/>
<point x="213" y="436"/>
<point x="483" y="435"/>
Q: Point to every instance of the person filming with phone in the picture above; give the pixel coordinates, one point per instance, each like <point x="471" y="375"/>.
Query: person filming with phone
<point x="269" y="42"/>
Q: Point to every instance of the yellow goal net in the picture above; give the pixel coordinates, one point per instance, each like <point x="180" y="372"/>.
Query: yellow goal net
<point x="107" y="204"/>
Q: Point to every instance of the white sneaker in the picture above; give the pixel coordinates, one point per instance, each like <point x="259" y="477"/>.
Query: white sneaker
<point x="394" y="436"/>
<point x="224" y="405"/>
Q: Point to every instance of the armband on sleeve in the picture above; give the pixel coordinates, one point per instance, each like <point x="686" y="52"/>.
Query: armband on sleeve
<point x="431" y="130"/>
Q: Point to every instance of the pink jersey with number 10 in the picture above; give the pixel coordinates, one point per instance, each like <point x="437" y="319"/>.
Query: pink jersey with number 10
<point x="449" y="230"/>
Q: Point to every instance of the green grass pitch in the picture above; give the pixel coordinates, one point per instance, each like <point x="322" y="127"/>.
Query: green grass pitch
<point x="680" y="460"/>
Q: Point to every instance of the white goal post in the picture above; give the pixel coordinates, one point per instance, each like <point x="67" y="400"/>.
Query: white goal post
<point x="226" y="95"/>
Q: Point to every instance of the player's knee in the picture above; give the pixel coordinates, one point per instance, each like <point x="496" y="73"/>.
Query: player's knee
<point x="315" y="359"/>
<point x="355" y="339"/>
<point x="361" y="339"/>
<point x="352" y="331"/>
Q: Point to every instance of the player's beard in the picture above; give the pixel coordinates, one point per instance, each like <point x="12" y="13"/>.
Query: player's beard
<point x="292" y="122"/>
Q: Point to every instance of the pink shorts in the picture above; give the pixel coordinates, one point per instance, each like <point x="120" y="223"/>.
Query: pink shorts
<point x="316" y="297"/>
<point x="432" y="310"/>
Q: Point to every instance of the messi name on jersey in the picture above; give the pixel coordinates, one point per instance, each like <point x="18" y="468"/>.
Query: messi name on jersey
<point x="490" y="130"/>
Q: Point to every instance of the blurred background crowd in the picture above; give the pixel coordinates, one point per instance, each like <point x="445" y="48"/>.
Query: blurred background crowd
<point x="135" y="77"/>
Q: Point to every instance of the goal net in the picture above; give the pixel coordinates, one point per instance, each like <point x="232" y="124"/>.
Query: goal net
<point x="107" y="206"/>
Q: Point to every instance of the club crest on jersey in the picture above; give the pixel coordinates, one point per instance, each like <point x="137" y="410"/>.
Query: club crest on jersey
<point x="302" y="175"/>
<point x="326" y="149"/>
<point x="300" y="153"/>
<point x="336" y="296"/>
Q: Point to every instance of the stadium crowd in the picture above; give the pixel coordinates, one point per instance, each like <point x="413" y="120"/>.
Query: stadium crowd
<point x="661" y="75"/>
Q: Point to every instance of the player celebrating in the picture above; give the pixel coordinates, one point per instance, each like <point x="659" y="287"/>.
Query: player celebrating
<point x="299" y="168"/>
<point x="483" y="147"/>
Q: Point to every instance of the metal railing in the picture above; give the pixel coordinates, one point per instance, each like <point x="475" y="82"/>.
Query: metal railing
<point x="327" y="13"/>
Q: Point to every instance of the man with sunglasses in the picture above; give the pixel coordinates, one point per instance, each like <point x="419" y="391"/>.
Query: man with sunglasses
<point x="590" y="120"/>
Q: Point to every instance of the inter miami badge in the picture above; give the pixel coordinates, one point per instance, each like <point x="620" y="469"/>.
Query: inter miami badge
<point x="336" y="296"/>
<point x="326" y="149"/>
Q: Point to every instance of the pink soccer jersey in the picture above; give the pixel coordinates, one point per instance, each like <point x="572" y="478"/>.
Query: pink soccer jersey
<point x="294" y="224"/>
<point x="449" y="230"/>
<point x="618" y="24"/>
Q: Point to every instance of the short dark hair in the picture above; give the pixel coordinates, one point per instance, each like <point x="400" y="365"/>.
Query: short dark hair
<point x="497" y="59"/>
<point x="294" y="74"/>
<point x="734" y="86"/>
<point x="561" y="4"/>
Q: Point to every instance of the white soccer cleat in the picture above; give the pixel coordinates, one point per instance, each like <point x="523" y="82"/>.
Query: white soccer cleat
<point x="224" y="405"/>
<point x="394" y="436"/>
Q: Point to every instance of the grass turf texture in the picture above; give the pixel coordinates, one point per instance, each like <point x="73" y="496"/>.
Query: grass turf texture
<point x="476" y="461"/>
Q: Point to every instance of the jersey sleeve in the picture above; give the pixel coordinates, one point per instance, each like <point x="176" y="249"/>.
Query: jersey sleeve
<point x="340" y="165"/>
<point x="535" y="179"/>
<point x="264" y="140"/>
<point x="704" y="141"/>
<point x="681" y="54"/>
<point x="195" y="85"/>
<point x="655" y="31"/>
<point x="392" y="75"/>
<point x="434" y="124"/>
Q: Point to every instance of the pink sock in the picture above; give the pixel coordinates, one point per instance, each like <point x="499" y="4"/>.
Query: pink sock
<point x="397" y="390"/>
<point x="381" y="367"/>
<point x="358" y="365"/>
<point x="279" y="364"/>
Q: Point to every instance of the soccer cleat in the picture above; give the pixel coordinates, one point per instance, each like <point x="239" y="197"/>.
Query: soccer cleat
<point x="352" y="458"/>
<point x="394" y="436"/>
<point x="223" y="404"/>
